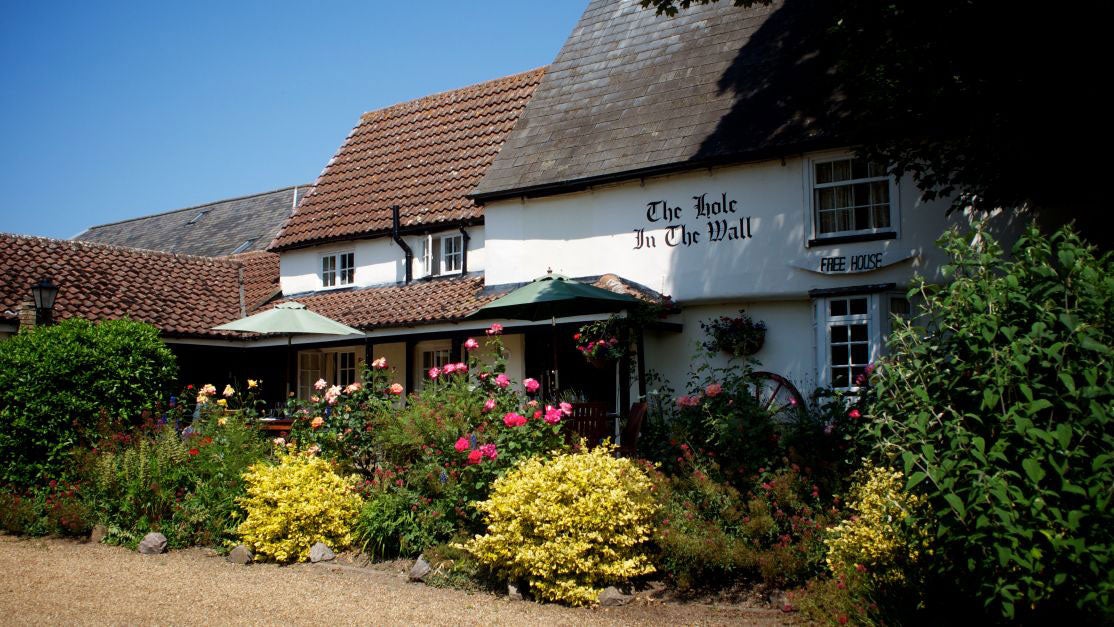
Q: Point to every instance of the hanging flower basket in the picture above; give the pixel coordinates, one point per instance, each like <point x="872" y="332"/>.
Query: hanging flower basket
<point x="740" y="336"/>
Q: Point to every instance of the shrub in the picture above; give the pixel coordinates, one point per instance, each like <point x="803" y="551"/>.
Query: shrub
<point x="396" y="523"/>
<point x="710" y="534"/>
<point x="137" y="489"/>
<point x="56" y="382"/>
<point x="568" y="525"/>
<point x="56" y="508"/>
<point x="295" y="504"/>
<point x="877" y="538"/>
<point x="998" y="402"/>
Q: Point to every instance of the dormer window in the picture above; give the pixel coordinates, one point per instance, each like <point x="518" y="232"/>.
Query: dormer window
<point x="338" y="269"/>
<point x="443" y="254"/>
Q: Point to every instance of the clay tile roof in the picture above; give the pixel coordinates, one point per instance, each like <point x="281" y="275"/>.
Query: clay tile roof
<point x="425" y="302"/>
<point x="425" y="155"/>
<point x="261" y="277"/>
<point x="632" y="93"/>
<point x="210" y="230"/>
<point x="182" y="295"/>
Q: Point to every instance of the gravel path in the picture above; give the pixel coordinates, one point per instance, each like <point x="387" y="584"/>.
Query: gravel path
<point x="53" y="581"/>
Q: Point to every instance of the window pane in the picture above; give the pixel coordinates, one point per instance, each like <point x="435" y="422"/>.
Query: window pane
<point x="840" y="378"/>
<point x="860" y="353"/>
<point x="823" y="172"/>
<point x="837" y="307"/>
<point x="858" y="333"/>
<point x="841" y="170"/>
<point x="839" y="333"/>
<point x="858" y="306"/>
<point x="839" y="355"/>
<point x="856" y="372"/>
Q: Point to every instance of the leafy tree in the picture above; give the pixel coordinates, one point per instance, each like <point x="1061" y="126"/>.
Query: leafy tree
<point x="993" y="105"/>
<point x="999" y="404"/>
<point x="58" y="383"/>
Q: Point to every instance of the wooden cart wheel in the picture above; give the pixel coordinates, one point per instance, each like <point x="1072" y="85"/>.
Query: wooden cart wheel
<point x="777" y="395"/>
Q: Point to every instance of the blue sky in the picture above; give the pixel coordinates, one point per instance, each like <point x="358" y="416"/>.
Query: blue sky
<point x="111" y="110"/>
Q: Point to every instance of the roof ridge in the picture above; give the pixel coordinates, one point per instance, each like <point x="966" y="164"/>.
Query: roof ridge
<point x="195" y="207"/>
<point x="441" y="94"/>
<point x="79" y="244"/>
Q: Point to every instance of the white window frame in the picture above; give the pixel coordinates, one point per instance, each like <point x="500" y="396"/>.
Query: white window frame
<point x="335" y="278"/>
<point x="879" y="326"/>
<point x="824" y="325"/>
<point x="813" y="216"/>
<point x="438" y="350"/>
<point x="435" y="256"/>
<point x="328" y="366"/>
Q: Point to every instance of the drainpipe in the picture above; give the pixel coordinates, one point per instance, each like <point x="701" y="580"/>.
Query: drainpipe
<point x="464" y="253"/>
<point x="403" y="245"/>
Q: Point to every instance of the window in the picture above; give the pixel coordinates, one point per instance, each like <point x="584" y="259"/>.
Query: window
<point x="242" y="247"/>
<point x="443" y="254"/>
<point x="337" y="269"/>
<point x="430" y="354"/>
<point x="852" y="331"/>
<point x="848" y="339"/>
<point x="850" y="196"/>
<point x="336" y="367"/>
<point x="200" y="214"/>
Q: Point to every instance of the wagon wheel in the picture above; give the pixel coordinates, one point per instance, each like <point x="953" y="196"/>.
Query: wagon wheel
<point x="775" y="394"/>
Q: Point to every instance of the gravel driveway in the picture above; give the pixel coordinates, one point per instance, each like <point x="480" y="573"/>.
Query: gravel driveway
<point x="53" y="581"/>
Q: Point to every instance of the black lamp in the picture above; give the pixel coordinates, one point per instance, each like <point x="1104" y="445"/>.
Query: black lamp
<point x="44" y="293"/>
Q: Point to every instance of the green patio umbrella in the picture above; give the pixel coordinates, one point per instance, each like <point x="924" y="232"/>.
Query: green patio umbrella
<point x="289" y="319"/>
<point x="554" y="296"/>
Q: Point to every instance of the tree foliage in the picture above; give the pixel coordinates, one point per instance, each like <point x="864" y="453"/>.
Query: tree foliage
<point x="999" y="405"/>
<point x="58" y="382"/>
<point x="993" y="105"/>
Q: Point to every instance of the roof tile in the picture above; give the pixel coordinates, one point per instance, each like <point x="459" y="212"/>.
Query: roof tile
<point x="425" y="155"/>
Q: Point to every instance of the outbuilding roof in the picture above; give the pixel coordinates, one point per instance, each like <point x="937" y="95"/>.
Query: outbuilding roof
<point x="632" y="93"/>
<point x="224" y="227"/>
<point x="182" y="295"/>
<point x="425" y="156"/>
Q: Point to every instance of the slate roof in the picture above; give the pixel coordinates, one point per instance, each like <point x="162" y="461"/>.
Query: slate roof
<point x="425" y="155"/>
<point x="224" y="226"/>
<point x="632" y="93"/>
<point x="183" y="295"/>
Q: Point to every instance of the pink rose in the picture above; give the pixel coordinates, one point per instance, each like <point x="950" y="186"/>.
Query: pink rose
<point x="566" y="408"/>
<point x="514" y="420"/>
<point x="552" y="414"/>
<point x="434" y="373"/>
<point x="475" y="456"/>
<point x="531" y="385"/>
<point x="447" y="369"/>
<point x="854" y="414"/>
<point x="352" y="387"/>
<point x="531" y="403"/>
<point x="463" y="444"/>
<point x="501" y="380"/>
<point x="495" y="329"/>
<point x="461" y="367"/>
<point x="321" y="384"/>
<point x="489" y="405"/>
<point x="396" y="389"/>
<point x="713" y="389"/>
<point x="489" y="451"/>
<point x="471" y="344"/>
<point x="380" y="364"/>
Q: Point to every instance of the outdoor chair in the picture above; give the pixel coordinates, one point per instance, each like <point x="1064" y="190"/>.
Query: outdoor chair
<point x="591" y="422"/>
<point x="628" y="441"/>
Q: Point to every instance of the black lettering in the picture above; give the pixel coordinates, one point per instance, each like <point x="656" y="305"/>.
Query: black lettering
<point x="652" y="210"/>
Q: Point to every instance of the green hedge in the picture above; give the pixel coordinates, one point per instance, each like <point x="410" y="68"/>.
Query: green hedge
<point x="60" y="383"/>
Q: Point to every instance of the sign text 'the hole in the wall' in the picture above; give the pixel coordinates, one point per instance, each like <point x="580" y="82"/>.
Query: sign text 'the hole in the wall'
<point x="721" y="222"/>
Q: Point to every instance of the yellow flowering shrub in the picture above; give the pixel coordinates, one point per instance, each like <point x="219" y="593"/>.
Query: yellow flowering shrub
<point x="295" y="504"/>
<point x="568" y="525"/>
<point x="876" y="539"/>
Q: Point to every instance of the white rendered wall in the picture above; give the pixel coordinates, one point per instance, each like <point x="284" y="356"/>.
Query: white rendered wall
<point x="597" y="231"/>
<point x="379" y="261"/>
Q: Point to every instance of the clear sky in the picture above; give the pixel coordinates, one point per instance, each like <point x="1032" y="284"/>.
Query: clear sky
<point x="111" y="110"/>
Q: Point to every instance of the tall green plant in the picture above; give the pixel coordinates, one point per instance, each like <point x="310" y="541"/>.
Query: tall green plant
<point x="999" y="405"/>
<point x="57" y="382"/>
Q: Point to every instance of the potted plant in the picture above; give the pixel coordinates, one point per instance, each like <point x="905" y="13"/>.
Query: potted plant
<point x="739" y="336"/>
<point x="599" y="342"/>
